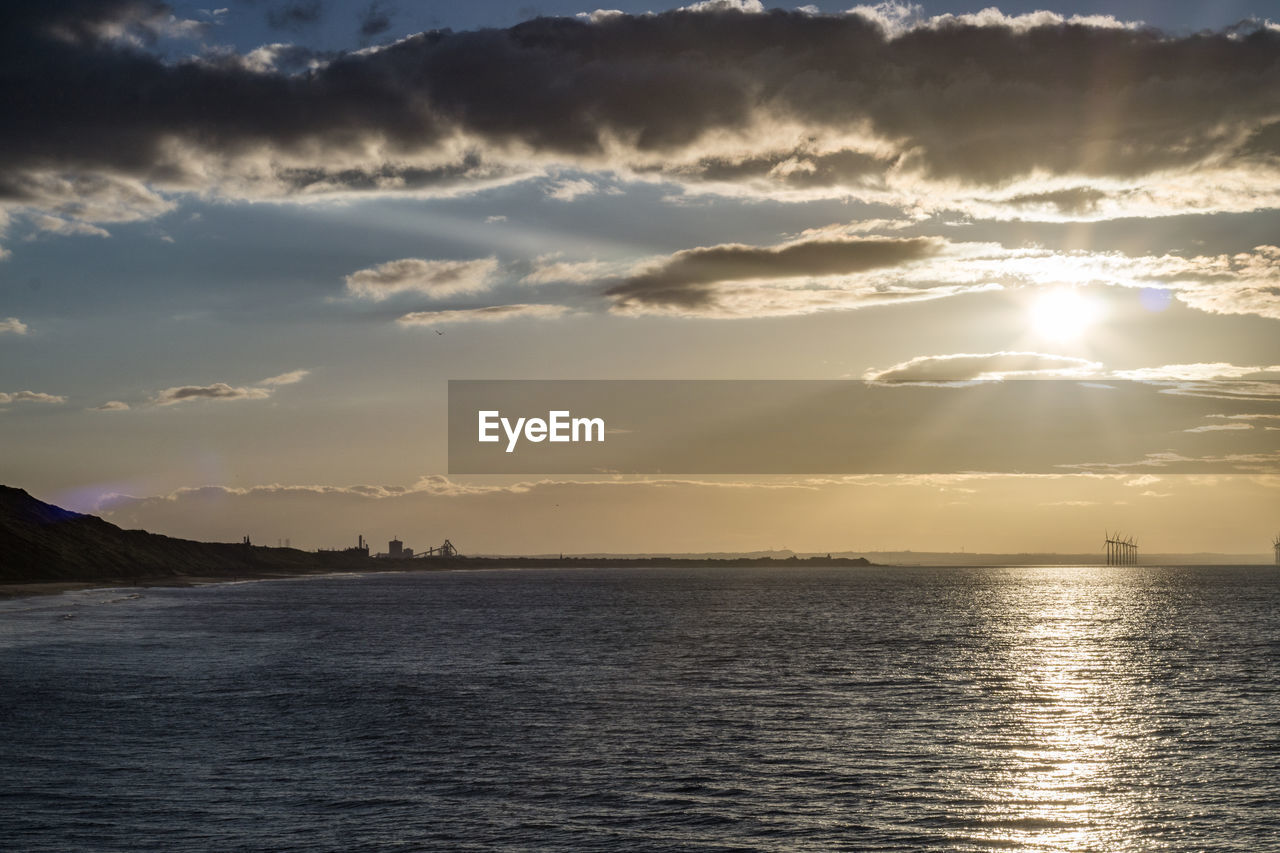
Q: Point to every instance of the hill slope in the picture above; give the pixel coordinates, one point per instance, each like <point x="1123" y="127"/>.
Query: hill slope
<point x="42" y="542"/>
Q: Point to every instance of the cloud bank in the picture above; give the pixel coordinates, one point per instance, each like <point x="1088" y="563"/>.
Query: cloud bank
<point x="1032" y="115"/>
<point x="841" y="267"/>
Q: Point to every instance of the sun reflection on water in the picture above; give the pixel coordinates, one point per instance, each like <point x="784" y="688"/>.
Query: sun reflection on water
<point x="1062" y="737"/>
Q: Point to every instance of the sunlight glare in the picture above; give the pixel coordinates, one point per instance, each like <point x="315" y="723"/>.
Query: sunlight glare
<point x="1064" y="315"/>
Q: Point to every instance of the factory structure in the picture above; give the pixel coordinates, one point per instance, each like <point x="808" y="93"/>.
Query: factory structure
<point x="396" y="550"/>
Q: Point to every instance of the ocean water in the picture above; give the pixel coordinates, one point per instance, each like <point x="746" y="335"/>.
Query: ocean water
<point x="1076" y="708"/>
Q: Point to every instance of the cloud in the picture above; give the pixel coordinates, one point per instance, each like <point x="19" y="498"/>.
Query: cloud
<point x="29" y="397"/>
<point x="548" y="269"/>
<point x="985" y="366"/>
<point x="1246" y="417"/>
<point x="872" y="269"/>
<point x="56" y="225"/>
<point x="1218" y="380"/>
<point x="295" y="15"/>
<point x="1244" y="283"/>
<point x="375" y="20"/>
<point x="216" y="391"/>
<point x="1197" y="372"/>
<point x="569" y="190"/>
<point x="1257" y="390"/>
<point x="1263" y="463"/>
<point x="282" y="57"/>
<point x="286" y="378"/>
<point x="1009" y="116"/>
<point x="752" y="7"/>
<point x="111" y="406"/>
<point x="844" y="267"/>
<point x="224" y="391"/>
<point x="122" y="23"/>
<point x="13" y="326"/>
<point x="414" y="275"/>
<point x="750" y="301"/>
<point x="488" y="314"/>
<point x="76" y="199"/>
<point x="1219" y="427"/>
<point x="789" y="278"/>
<point x="897" y="19"/>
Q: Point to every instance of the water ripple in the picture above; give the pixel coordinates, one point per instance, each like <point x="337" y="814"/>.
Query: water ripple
<point x="952" y="709"/>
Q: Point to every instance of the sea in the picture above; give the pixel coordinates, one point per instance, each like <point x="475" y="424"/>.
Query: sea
<point x="1073" y="708"/>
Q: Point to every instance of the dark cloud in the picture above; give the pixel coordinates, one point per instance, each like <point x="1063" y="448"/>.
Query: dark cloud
<point x="375" y="20"/>
<point x="778" y="99"/>
<point x="1074" y="201"/>
<point x="797" y="168"/>
<point x="295" y="15"/>
<point x="83" y="21"/>
<point x="689" y="279"/>
<point x="469" y="167"/>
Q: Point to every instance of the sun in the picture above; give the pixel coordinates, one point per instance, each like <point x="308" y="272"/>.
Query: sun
<point x="1064" y="315"/>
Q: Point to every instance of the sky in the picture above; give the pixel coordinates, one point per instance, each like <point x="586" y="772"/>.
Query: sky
<point x="243" y="250"/>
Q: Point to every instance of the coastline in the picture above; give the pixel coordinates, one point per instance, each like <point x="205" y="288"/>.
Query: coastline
<point x="10" y="591"/>
<point x="28" y="589"/>
<point x="31" y="589"/>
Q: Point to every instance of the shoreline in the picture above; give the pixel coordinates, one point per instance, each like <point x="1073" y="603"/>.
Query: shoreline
<point x="34" y="589"/>
<point x="29" y="589"/>
<point x="365" y="565"/>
